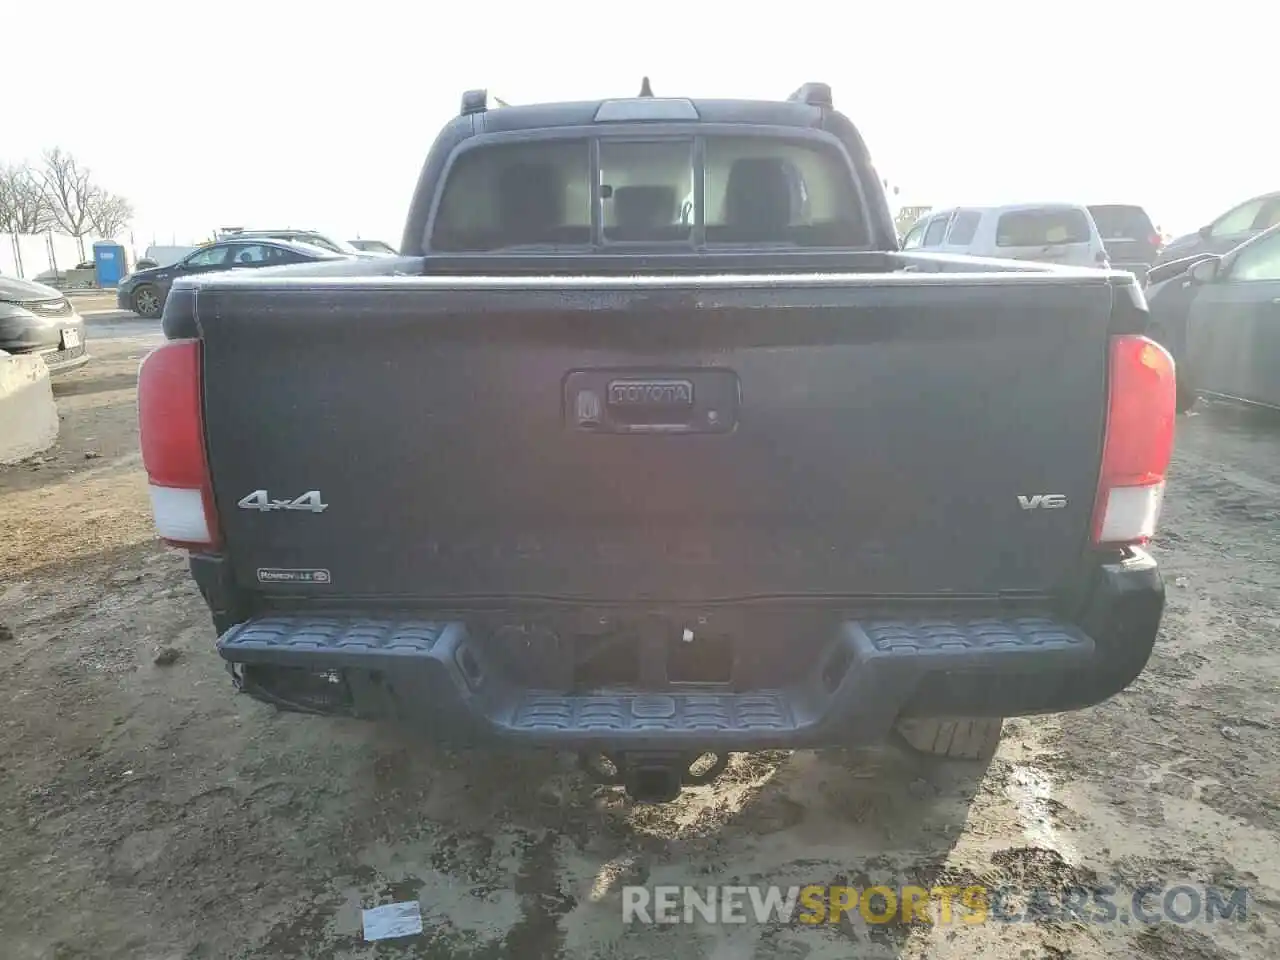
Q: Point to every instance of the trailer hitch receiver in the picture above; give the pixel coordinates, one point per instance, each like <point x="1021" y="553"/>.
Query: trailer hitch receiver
<point x="654" y="777"/>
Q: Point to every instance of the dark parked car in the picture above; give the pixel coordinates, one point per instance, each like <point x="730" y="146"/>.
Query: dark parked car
<point x="605" y="464"/>
<point x="1228" y="231"/>
<point x="39" y="319"/>
<point x="1131" y="239"/>
<point x="1169" y="292"/>
<point x="144" y="291"/>
<point x="1221" y="320"/>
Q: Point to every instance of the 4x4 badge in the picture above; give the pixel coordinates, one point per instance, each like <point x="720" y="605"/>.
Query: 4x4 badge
<point x="309" y="502"/>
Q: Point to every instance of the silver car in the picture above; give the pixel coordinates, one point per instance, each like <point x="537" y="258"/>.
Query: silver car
<point x="35" y="319"/>
<point x="1228" y="231"/>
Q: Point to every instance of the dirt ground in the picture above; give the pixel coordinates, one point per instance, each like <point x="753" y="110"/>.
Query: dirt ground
<point x="146" y="811"/>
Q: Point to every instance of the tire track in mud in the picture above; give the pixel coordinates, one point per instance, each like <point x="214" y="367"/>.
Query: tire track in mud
<point x="537" y="935"/>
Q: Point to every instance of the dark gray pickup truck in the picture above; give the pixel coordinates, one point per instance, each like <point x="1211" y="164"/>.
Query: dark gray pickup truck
<point x="653" y="446"/>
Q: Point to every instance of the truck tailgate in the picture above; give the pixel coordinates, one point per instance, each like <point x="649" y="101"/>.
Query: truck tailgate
<point x="656" y="438"/>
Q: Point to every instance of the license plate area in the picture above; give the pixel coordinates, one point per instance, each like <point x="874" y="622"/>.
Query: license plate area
<point x="651" y="401"/>
<point x="656" y="650"/>
<point x="70" y="339"/>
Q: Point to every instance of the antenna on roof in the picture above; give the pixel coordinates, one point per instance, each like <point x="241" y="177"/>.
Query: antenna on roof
<point x="645" y="89"/>
<point x="814" y="94"/>
<point x="477" y="101"/>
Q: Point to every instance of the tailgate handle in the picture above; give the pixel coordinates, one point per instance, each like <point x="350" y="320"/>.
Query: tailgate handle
<point x="652" y="401"/>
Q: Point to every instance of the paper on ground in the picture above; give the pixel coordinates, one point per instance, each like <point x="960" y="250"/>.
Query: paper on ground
<point x="392" y="920"/>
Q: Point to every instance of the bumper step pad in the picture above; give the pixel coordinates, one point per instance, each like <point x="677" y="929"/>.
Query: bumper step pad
<point x="879" y="664"/>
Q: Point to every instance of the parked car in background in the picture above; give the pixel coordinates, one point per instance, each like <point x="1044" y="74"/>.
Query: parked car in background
<point x="1169" y="292"/>
<point x="303" y="236"/>
<point x="145" y="291"/>
<point x="39" y="319"/>
<point x="907" y="217"/>
<point x="1131" y="240"/>
<point x="1228" y="231"/>
<point x="1045" y="232"/>
<point x="158" y="255"/>
<point x="374" y="246"/>
<point x="1224" y="313"/>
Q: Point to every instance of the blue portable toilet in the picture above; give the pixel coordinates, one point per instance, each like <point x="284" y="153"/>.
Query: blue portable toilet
<point x="109" y="259"/>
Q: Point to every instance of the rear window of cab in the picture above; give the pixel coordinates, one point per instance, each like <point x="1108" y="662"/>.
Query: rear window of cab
<point x="705" y="189"/>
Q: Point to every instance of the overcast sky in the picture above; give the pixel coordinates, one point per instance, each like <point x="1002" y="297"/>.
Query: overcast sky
<point x="319" y="114"/>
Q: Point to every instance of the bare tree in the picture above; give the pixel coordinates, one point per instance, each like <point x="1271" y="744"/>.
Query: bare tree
<point x="69" y="192"/>
<point x="109" y="213"/>
<point x="23" y="208"/>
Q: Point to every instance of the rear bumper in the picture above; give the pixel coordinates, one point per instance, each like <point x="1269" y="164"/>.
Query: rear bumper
<point x="436" y="675"/>
<point x="60" y="361"/>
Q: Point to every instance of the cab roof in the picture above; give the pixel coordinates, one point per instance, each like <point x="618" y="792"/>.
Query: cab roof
<point x="586" y="113"/>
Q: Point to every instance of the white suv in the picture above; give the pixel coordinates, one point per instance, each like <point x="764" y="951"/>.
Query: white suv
<point x="1048" y="232"/>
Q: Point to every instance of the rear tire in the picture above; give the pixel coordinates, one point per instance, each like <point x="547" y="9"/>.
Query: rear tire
<point x="147" y="302"/>
<point x="956" y="738"/>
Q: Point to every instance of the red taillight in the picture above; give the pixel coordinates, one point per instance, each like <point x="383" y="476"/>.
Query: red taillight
<point x="1137" y="444"/>
<point x="171" y="430"/>
<point x="1157" y="241"/>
